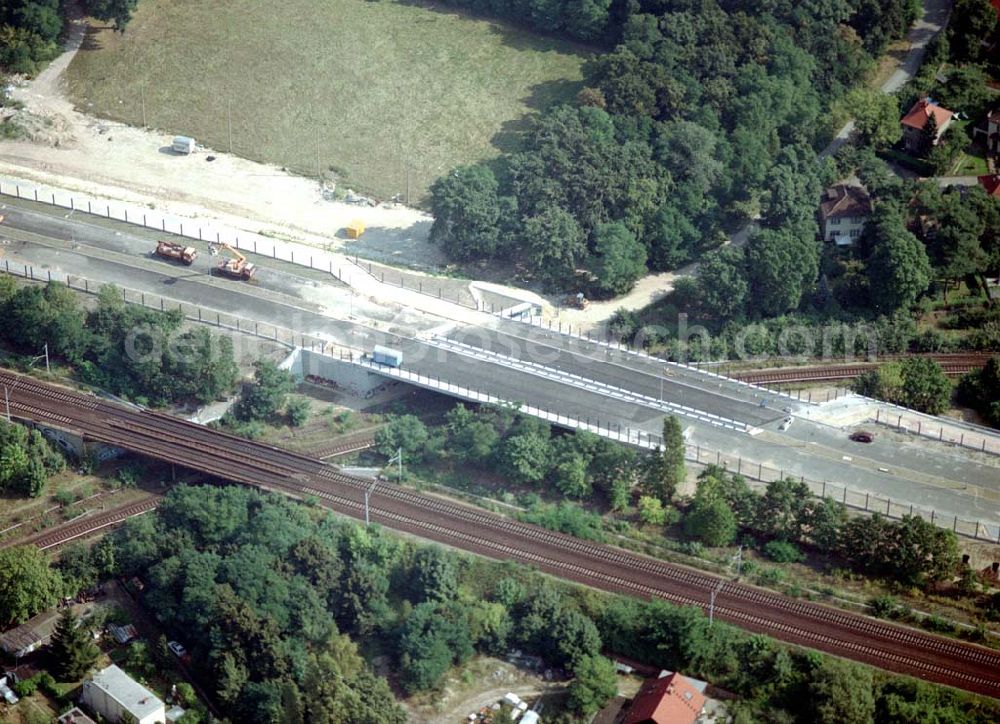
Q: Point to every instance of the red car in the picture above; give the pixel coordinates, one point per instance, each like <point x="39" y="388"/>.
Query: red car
<point x="863" y="436"/>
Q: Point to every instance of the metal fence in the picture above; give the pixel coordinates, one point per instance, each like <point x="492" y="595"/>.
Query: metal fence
<point x="967" y="436"/>
<point x="757" y="473"/>
<point x="191" y="312"/>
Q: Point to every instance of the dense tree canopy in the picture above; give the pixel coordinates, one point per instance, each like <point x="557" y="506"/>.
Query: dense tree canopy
<point x="695" y="114"/>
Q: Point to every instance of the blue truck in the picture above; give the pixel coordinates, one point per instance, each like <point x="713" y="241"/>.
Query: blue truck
<point x="387" y="356"/>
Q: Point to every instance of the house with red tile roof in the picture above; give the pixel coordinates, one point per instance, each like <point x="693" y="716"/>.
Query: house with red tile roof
<point x="913" y="122"/>
<point x="991" y="184"/>
<point x="671" y="699"/>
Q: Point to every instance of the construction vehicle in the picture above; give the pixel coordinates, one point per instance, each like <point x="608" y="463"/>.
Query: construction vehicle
<point x="235" y="268"/>
<point x="176" y="252"/>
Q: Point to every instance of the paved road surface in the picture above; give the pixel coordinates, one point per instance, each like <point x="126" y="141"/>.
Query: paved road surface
<point x="925" y="473"/>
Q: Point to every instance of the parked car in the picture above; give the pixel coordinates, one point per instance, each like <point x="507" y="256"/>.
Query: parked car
<point x="863" y="436"/>
<point x="178" y="650"/>
<point x="786" y="423"/>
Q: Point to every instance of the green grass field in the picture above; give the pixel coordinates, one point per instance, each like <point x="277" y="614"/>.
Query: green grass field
<point x="360" y="87"/>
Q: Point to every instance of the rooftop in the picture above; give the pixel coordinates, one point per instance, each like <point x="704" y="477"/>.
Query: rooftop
<point x="668" y="700"/>
<point x="133" y="696"/>
<point x="922" y="110"/>
<point x="845" y="200"/>
<point x="991" y="184"/>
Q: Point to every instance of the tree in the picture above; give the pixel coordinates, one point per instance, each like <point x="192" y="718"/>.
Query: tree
<point x="266" y="395"/>
<point x="651" y="510"/>
<point x="928" y="136"/>
<point x="587" y="19"/>
<point x="780" y="267"/>
<point x="466" y="213"/>
<point x="925" y="386"/>
<point x="898" y="268"/>
<point x="973" y="22"/>
<point x="841" y="692"/>
<point x="27" y="584"/>
<point x="403" y="432"/>
<point x="72" y="650"/>
<point x="471" y="437"/>
<point x="826" y="521"/>
<point x="525" y="458"/>
<point x="665" y="468"/>
<point x="722" y="283"/>
<point x="554" y="245"/>
<point x="431" y="640"/>
<point x="120" y="11"/>
<point x="619" y="258"/>
<point x="876" y="117"/>
<point x="782" y="512"/>
<point x="594" y="684"/>
<point x="434" y="577"/>
<point x="711" y="521"/>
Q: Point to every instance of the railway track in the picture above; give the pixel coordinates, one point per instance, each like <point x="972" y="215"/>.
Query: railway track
<point x="953" y="365"/>
<point x="343" y="446"/>
<point x="86" y="525"/>
<point x="799" y="622"/>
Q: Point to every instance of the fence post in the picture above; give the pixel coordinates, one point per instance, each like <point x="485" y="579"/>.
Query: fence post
<point x="954" y="526"/>
<point x="866" y="500"/>
<point x="888" y="502"/>
<point x="760" y="469"/>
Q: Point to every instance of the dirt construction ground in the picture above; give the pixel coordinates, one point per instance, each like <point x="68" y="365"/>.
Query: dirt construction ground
<point x="77" y="152"/>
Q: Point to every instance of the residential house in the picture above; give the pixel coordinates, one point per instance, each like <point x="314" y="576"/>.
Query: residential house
<point x="991" y="184"/>
<point x="913" y="123"/>
<point x="988" y="132"/>
<point x="670" y="699"/>
<point x="844" y="210"/>
<point x="115" y="696"/>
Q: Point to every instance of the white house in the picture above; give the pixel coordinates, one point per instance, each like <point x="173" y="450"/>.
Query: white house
<point x="112" y="694"/>
<point x="844" y="210"/>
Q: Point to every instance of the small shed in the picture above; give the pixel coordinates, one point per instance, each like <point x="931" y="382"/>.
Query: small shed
<point x="355" y="229"/>
<point x="183" y="144"/>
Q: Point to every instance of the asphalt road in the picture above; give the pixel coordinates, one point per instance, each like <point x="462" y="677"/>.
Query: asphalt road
<point x="924" y="473"/>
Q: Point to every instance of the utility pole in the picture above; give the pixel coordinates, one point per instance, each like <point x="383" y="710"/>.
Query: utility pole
<point x="6" y="397"/>
<point x="48" y="369"/>
<point x="229" y="120"/>
<point x="142" y="102"/>
<point x="738" y="560"/>
<point x="398" y="458"/>
<point x="711" y="602"/>
<point x="368" y="493"/>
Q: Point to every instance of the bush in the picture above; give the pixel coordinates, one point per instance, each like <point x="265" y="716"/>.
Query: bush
<point x="781" y="551"/>
<point x="883" y="606"/>
<point x="297" y="411"/>
<point x="65" y="497"/>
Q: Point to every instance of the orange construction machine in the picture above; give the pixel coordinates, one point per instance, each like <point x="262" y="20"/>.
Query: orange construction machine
<point x="236" y="267"/>
<point x="176" y="252"/>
